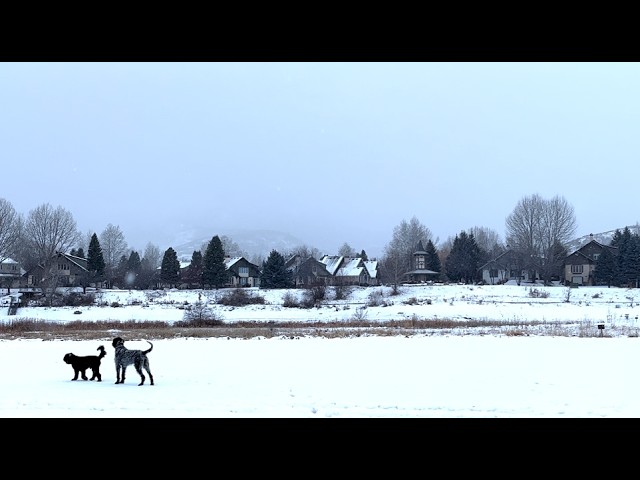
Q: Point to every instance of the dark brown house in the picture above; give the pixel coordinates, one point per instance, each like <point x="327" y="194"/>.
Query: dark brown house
<point x="308" y="272"/>
<point x="242" y="273"/>
<point x="579" y="267"/>
<point x="65" y="271"/>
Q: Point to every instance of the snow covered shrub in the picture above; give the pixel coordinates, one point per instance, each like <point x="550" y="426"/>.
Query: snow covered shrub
<point x="239" y="297"/>
<point x="317" y="292"/>
<point x="290" y="300"/>
<point x="360" y="315"/>
<point x="375" y="298"/>
<point x="341" y="292"/>
<point x="535" y="293"/>
<point x="200" y="315"/>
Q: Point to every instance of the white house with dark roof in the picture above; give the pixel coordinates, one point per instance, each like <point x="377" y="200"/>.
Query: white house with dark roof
<point x="10" y="273"/>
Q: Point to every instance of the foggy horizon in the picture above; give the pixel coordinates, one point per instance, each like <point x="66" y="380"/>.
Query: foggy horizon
<point x="330" y="153"/>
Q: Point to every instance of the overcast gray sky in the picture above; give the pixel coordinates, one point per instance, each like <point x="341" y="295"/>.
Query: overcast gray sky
<point x="328" y="152"/>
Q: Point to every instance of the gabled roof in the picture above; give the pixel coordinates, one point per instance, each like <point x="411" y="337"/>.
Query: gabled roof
<point x="351" y="267"/>
<point x="500" y="258"/>
<point x="79" y="262"/>
<point x="231" y="261"/>
<point x="332" y="262"/>
<point x="372" y="268"/>
<point x="596" y="243"/>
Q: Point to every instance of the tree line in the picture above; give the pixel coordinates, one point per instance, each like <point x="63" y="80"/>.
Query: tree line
<point x="537" y="230"/>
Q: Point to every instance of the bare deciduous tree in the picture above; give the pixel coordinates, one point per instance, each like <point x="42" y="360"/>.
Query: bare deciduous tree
<point x="303" y="251"/>
<point x="487" y="240"/>
<point x="347" y="251"/>
<point x="399" y="251"/>
<point x="152" y="255"/>
<point x="114" y="247"/>
<point x="537" y="229"/>
<point x="149" y="266"/>
<point x="11" y="224"/>
<point x="231" y="248"/>
<point x="49" y="230"/>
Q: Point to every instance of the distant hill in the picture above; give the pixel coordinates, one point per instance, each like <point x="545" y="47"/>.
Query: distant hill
<point x="604" y="238"/>
<point x="256" y="243"/>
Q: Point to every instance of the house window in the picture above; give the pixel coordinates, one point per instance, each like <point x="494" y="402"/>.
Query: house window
<point x="596" y="256"/>
<point x="577" y="268"/>
<point x="420" y="262"/>
<point x="493" y="273"/>
<point x="244" y="271"/>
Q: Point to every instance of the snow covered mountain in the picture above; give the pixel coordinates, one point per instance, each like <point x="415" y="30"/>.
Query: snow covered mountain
<point x="603" y="237"/>
<point x="255" y="243"/>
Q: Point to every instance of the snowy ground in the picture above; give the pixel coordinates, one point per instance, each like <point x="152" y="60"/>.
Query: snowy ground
<point x="585" y="307"/>
<point x="423" y="375"/>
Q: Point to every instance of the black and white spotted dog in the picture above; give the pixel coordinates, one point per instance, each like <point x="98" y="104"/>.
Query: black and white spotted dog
<point x="125" y="357"/>
<point x="81" y="364"/>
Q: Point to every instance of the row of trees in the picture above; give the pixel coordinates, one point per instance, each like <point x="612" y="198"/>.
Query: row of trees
<point x="537" y="230"/>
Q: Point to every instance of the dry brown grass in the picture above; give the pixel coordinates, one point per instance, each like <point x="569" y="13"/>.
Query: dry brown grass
<point x="101" y="330"/>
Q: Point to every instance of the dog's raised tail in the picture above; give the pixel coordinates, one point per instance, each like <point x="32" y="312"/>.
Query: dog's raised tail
<point x="150" y="348"/>
<point x="102" y="351"/>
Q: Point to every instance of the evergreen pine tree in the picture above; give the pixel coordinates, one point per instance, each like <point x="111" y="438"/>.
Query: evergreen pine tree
<point x="214" y="269"/>
<point x="605" y="271"/>
<point x="134" y="265"/>
<point x="170" y="268"/>
<point x="193" y="273"/>
<point x="80" y="252"/>
<point x="95" y="260"/>
<point x="432" y="260"/>
<point x="363" y="256"/>
<point x="274" y="274"/>
<point x="625" y="252"/>
<point x="462" y="262"/>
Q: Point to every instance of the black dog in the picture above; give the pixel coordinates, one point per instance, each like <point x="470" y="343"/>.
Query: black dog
<point x="125" y="357"/>
<point x="81" y="364"/>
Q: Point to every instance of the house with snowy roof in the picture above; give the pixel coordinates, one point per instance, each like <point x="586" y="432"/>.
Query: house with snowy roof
<point x="242" y="273"/>
<point x="351" y="270"/>
<point x="10" y="273"/>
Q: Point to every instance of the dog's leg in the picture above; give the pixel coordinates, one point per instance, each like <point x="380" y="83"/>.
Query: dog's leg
<point x="96" y="373"/>
<point x="146" y="367"/>
<point x="120" y="371"/>
<point x="76" y="371"/>
<point x="84" y="374"/>
<point x="139" y="370"/>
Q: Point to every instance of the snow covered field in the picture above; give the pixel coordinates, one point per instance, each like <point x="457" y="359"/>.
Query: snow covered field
<point x="585" y="307"/>
<point x="424" y="375"/>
